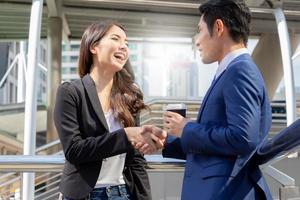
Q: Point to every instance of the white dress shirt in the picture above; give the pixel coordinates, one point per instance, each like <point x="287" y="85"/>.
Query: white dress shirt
<point x="228" y="59"/>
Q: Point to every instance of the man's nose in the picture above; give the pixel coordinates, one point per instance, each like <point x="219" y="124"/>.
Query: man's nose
<point x="197" y="44"/>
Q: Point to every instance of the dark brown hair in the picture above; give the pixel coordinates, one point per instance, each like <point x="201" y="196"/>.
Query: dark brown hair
<point x="235" y="14"/>
<point x="126" y="98"/>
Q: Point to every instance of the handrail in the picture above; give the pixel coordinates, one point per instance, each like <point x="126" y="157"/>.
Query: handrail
<point x="54" y="163"/>
<point x="48" y="145"/>
<point x="169" y="99"/>
<point x="282" y="178"/>
<point x="152" y="101"/>
<point x="27" y="163"/>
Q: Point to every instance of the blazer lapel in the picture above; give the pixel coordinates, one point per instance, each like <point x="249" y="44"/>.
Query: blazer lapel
<point x="207" y="95"/>
<point x="90" y="88"/>
<point x="243" y="56"/>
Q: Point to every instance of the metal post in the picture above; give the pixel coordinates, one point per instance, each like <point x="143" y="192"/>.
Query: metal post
<point x="287" y="65"/>
<point x="30" y="98"/>
<point x="21" y="74"/>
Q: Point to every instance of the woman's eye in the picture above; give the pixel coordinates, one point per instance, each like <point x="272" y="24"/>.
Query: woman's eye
<point x="114" y="38"/>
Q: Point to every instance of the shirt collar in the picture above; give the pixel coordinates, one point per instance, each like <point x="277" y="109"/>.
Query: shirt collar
<point x="228" y="59"/>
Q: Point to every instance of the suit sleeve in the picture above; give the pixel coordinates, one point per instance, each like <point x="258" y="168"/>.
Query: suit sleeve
<point x="173" y="148"/>
<point x="243" y="96"/>
<point x="283" y="142"/>
<point x="78" y="149"/>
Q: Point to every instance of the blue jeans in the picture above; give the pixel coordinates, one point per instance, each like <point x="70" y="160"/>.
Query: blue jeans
<point x="118" y="192"/>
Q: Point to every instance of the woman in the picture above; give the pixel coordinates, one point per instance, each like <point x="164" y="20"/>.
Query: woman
<point x="90" y="116"/>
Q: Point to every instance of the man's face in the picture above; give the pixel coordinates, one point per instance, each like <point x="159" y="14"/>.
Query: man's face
<point x="208" y="45"/>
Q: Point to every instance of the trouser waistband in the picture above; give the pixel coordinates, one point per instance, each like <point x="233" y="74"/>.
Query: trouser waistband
<point x="114" y="190"/>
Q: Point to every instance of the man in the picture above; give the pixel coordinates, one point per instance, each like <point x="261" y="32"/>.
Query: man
<point x="235" y="114"/>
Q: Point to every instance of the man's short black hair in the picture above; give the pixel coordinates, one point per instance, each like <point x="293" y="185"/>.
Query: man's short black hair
<point x="235" y="14"/>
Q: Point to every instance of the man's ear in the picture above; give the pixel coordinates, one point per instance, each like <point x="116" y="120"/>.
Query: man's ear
<point x="219" y="27"/>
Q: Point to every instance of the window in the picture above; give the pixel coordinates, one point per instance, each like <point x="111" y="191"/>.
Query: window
<point x="43" y="54"/>
<point x="11" y="92"/>
<point x="75" y="47"/>
<point x="64" y="47"/>
<point x="65" y="59"/>
<point x="133" y="58"/>
<point x="16" y="71"/>
<point x="42" y="75"/>
<point x="74" y="58"/>
<point x="73" y="70"/>
<point x="132" y="46"/>
<point x="65" y="70"/>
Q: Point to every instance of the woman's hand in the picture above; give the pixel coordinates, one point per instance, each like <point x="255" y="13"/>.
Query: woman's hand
<point x="147" y="139"/>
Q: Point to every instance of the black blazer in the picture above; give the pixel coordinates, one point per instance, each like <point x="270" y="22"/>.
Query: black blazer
<point x="84" y="135"/>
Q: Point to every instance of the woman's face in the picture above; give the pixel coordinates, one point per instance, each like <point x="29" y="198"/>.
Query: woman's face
<point x="111" y="52"/>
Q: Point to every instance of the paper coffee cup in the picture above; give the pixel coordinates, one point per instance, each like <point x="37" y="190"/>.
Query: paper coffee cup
<point x="179" y="108"/>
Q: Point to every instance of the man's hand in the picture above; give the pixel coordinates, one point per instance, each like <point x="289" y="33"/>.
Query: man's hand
<point x="174" y="123"/>
<point x="137" y="135"/>
<point x="158" y="135"/>
<point x="149" y="138"/>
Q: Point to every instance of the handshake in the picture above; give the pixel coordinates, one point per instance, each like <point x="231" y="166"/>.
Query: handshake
<point x="147" y="139"/>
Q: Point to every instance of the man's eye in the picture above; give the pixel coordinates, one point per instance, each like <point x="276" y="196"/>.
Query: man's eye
<point x="114" y="38"/>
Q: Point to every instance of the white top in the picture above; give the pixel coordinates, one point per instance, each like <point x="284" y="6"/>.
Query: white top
<point x="228" y="59"/>
<point x="111" y="172"/>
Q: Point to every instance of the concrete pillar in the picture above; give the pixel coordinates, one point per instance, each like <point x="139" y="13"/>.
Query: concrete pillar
<point x="54" y="71"/>
<point x="295" y="41"/>
<point x="267" y="56"/>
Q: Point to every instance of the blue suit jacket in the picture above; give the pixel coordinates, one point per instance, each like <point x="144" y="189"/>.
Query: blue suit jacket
<point x="234" y="118"/>
<point x="282" y="143"/>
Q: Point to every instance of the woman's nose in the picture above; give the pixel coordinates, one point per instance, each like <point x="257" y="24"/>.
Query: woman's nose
<point x="124" y="46"/>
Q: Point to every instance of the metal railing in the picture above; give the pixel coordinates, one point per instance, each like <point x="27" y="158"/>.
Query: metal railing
<point x="46" y="181"/>
<point x="48" y="168"/>
<point x="54" y="163"/>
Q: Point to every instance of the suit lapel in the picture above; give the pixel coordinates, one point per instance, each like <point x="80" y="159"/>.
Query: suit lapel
<point x="243" y="56"/>
<point x="90" y="88"/>
<point x="207" y="95"/>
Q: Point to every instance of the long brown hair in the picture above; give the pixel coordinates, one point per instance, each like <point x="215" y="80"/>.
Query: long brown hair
<point x="126" y="99"/>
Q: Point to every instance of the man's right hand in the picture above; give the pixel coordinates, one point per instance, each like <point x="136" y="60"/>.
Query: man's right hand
<point x="147" y="139"/>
